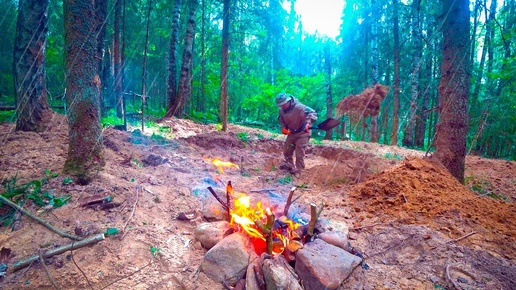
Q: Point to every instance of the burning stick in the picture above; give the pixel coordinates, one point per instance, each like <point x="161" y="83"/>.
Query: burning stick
<point x="314" y="216"/>
<point x="218" y="198"/>
<point x="229" y="192"/>
<point x="266" y="229"/>
<point x="289" y="200"/>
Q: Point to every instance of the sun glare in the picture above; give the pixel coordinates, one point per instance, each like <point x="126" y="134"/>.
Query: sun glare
<point x="322" y="16"/>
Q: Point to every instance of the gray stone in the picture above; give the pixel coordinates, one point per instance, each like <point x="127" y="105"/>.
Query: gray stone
<point x="336" y="238"/>
<point x="251" y="283"/>
<point x="324" y="266"/>
<point x="279" y="275"/>
<point x="227" y="261"/>
<point x="209" y="234"/>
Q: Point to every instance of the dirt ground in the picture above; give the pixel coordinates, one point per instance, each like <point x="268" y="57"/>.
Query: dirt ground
<point x="415" y="226"/>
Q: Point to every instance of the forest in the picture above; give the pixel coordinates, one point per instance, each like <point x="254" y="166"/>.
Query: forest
<point x="212" y="61"/>
<point x="140" y="145"/>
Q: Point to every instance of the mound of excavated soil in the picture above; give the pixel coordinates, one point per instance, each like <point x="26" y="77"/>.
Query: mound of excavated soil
<point x="420" y="190"/>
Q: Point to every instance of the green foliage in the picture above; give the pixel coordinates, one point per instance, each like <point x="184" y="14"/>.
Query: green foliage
<point x="111" y="119"/>
<point x="33" y="191"/>
<point x="389" y="155"/>
<point x="7" y="116"/>
<point x="155" y="251"/>
<point x="111" y="231"/>
<point x="287" y="179"/>
<point x="243" y="136"/>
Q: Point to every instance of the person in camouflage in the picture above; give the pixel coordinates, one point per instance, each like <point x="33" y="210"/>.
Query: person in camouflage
<point x="295" y="119"/>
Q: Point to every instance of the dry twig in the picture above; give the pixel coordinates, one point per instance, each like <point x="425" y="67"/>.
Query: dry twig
<point x="132" y="212"/>
<point x="453" y="241"/>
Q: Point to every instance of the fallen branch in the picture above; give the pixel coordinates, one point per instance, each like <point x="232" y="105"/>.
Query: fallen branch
<point x="453" y="241"/>
<point x="289" y="200"/>
<point x="41" y="221"/>
<point x="50" y="253"/>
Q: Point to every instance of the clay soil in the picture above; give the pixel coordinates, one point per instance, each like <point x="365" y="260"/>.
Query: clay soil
<point x="415" y="226"/>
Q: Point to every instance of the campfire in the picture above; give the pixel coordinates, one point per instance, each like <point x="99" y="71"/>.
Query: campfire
<point x="267" y="233"/>
<point x="261" y="245"/>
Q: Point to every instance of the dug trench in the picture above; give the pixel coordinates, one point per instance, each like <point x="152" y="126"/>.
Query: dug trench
<point x="411" y="224"/>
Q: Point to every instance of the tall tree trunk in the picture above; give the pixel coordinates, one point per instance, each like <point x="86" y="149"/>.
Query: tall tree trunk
<point x="29" y="66"/>
<point x="450" y="142"/>
<point x="409" y="132"/>
<point x="85" y="156"/>
<point x="144" y="65"/>
<point x="185" y="84"/>
<point x="223" y="107"/>
<point x="172" y="65"/>
<point x="201" y="107"/>
<point x="118" y="60"/>
<point x="329" y="103"/>
<point x="100" y="32"/>
<point x="373" y="130"/>
<point x="396" y="93"/>
<point x="421" y="124"/>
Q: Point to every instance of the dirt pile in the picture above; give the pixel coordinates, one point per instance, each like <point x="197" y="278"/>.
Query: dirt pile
<point x="422" y="191"/>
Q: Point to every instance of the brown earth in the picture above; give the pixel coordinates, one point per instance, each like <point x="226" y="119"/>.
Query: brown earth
<point x="414" y="224"/>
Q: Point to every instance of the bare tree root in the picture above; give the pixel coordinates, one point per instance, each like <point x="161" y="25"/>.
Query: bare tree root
<point x="50" y="278"/>
<point x="73" y="260"/>
<point x="132" y="213"/>
<point x="41" y="221"/>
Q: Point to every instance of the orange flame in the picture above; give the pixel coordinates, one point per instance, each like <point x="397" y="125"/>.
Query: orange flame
<point x="244" y="215"/>
<point x="220" y="164"/>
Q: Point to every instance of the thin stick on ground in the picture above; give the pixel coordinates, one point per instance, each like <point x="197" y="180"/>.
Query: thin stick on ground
<point x="39" y="220"/>
<point x="226" y="207"/>
<point x="132" y="212"/>
<point x="454" y="241"/>
<point x="50" y="278"/>
<point x="84" y="274"/>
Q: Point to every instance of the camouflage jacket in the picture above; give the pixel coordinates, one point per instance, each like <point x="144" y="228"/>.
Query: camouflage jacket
<point x="296" y="117"/>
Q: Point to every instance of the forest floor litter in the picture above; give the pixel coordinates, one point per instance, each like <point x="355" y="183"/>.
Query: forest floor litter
<point x="414" y="225"/>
